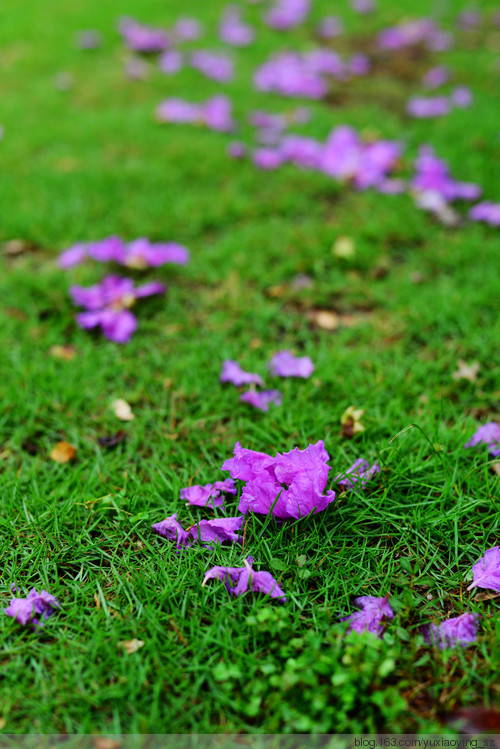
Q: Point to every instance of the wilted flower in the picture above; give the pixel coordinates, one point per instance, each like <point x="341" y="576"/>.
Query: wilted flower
<point x="33" y="610"/>
<point x="369" y="619"/>
<point x="487" y="434"/>
<point x="487" y="571"/>
<point x="108" y="305"/>
<point x="240" y="580"/>
<point x="457" y="631"/>
<point x="291" y="485"/>
<point x="285" y="364"/>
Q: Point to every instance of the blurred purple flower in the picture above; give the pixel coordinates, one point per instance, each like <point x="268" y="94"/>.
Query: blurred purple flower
<point x="287" y="14"/>
<point x="330" y="27"/>
<point x="244" y="579"/>
<point x="206" y="531"/>
<point x="262" y="399"/>
<point x="422" y="31"/>
<point x="233" y="30"/>
<point x="214" y="65"/>
<point x="292" y="483"/>
<point x="346" y="157"/>
<point x="468" y="19"/>
<point x="236" y="149"/>
<point x="487" y="434"/>
<point x="33" y="610"/>
<point x="302" y="151"/>
<point x="140" y="253"/>
<point x="363" y="6"/>
<point x="141" y="38"/>
<point x="432" y="176"/>
<point x="487" y="571"/>
<point x="234" y="374"/>
<point x="171" y="61"/>
<point x="88" y="39"/>
<point x="289" y="74"/>
<point x="108" y="305"/>
<point x="171" y="529"/>
<point x="359" y="65"/>
<point x="215" y="113"/>
<point x="460" y="630"/>
<point x="369" y="619"/>
<point x="187" y="30"/>
<point x="486" y="211"/>
<point x="436" y="77"/>
<point x="461" y="96"/>
<point x="360" y="471"/>
<point x="285" y="364"/>
<point x="267" y="158"/>
<point x="425" y="107"/>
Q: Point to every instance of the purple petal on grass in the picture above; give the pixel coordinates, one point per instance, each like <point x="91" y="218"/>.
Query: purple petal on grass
<point x="214" y="65"/>
<point x="330" y="27"/>
<point x="217" y="114"/>
<point x="141" y="38"/>
<point x="170" y="528"/>
<point x="118" y="326"/>
<point x="218" y="529"/>
<point x="369" y="619"/>
<point x="436" y="77"/>
<point x="88" y="39"/>
<point x="150" y="289"/>
<point x="487" y="434"/>
<point x="360" y="471"/>
<point x="23" y="610"/>
<point x="236" y="150"/>
<point x="187" y="29"/>
<point x="233" y="30"/>
<point x="178" y="111"/>
<point x="267" y="158"/>
<point x="461" y="96"/>
<point x="362" y="6"/>
<point x="285" y="364"/>
<point x="487" y="571"/>
<point x="246" y="578"/>
<point x="287" y="14"/>
<point x="461" y="630"/>
<point x="202" y="496"/>
<point x="423" y="107"/>
<point x="235" y="375"/>
<point x="141" y="253"/>
<point x="72" y="256"/>
<point x="171" y="61"/>
<point x="486" y="211"/>
<point x="262" y="399"/>
<point x="110" y="249"/>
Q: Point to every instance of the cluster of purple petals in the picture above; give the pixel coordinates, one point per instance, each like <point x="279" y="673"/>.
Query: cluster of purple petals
<point x="359" y="473"/>
<point x="422" y="31"/>
<point x="34" y="610"/>
<point x="306" y="74"/>
<point x="209" y="495"/>
<point x="423" y="107"/>
<point x="289" y="485"/>
<point x="141" y="253"/>
<point x="486" y="572"/>
<point x="369" y="618"/>
<point x="461" y="630"/>
<point x="141" y="38"/>
<point x="205" y="532"/>
<point x="233" y="30"/>
<point x="215" y="113"/>
<point x="218" y="66"/>
<point x="489" y="435"/>
<point x="108" y="303"/>
<point x="240" y="580"/>
<point x="487" y="212"/>
<point x="287" y="14"/>
<point x="432" y="176"/>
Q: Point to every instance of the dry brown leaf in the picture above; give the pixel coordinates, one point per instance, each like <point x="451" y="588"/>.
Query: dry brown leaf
<point x="343" y="248"/>
<point x="324" y="319"/>
<point x="130" y="646"/>
<point x="122" y="410"/>
<point x="65" y="352"/>
<point x="466" y="371"/>
<point x="63" y="452"/>
<point x="17" y="247"/>
<point x="105" y="742"/>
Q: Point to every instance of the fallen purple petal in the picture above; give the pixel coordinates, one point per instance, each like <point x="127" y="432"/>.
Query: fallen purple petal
<point x="246" y="579"/>
<point x="369" y="619"/>
<point x="262" y="399"/>
<point x="489" y="435"/>
<point x="235" y="375"/>
<point x="285" y="364"/>
<point x="33" y="610"/>
<point x="487" y="571"/>
<point x="460" y="630"/>
<point x="359" y="473"/>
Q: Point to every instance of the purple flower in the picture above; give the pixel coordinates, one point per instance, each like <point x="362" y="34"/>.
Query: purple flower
<point x="244" y="579"/>
<point x="457" y="631"/>
<point x="487" y="434"/>
<point x="291" y="484"/>
<point x="233" y="30"/>
<point x="330" y="27"/>
<point x="262" y="399"/>
<point x="236" y="149"/>
<point x="215" y="113"/>
<point x="206" y="531"/>
<point x="432" y="176"/>
<point x="424" y="107"/>
<point x="178" y="111"/>
<point x="363" y="6"/>
<point x="486" y="211"/>
<point x="171" y="61"/>
<point x="214" y="65"/>
<point x="74" y="255"/>
<point x="436" y="77"/>
<point x="369" y="619"/>
<point x="187" y="30"/>
<point x="234" y="374"/>
<point x="461" y="96"/>
<point x="290" y="74"/>
<point x="267" y="158"/>
<point x="34" y="610"/>
<point x="487" y="571"/>
<point x="285" y="364"/>
<point x="360" y="471"/>
<point x="108" y="305"/>
<point x="141" y="253"/>
<point x="141" y="38"/>
<point x="170" y="528"/>
<point x="287" y="14"/>
<point x="209" y="495"/>
<point x="346" y="157"/>
<point x="301" y="151"/>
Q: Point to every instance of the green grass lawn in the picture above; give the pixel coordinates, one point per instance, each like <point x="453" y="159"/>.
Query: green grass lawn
<point x="416" y="297"/>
